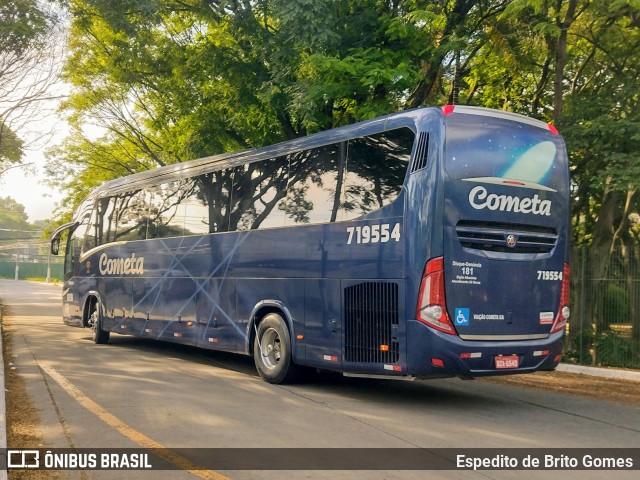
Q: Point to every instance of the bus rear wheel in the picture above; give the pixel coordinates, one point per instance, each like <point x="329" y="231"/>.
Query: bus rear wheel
<point x="272" y="350"/>
<point x="98" y="334"/>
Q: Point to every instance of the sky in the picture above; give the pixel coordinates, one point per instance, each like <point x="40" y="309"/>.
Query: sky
<point x="26" y="184"/>
<point x="36" y="123"/>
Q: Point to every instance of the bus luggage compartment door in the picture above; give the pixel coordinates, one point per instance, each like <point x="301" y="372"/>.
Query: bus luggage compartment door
<point x="323" y="323"/>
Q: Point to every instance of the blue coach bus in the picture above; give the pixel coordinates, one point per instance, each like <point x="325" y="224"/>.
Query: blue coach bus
<point x="423" y="244"/>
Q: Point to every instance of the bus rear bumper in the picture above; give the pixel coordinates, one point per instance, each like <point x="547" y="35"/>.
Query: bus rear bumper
<point x="436" y="354"/>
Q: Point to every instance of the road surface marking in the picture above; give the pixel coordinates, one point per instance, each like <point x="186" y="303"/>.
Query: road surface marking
<point x="132" y="434"/>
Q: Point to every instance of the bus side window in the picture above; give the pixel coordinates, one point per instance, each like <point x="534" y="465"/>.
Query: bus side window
<point x="347" y="180"/>
<point x="164" y="220"/>
<point x="129" y="219"/>
<point x="315" y="188"/>
<point x="194" y="207"/>
<point x="110" y="221"/>
<point x="214" y="192"/>
<point x="75" y="248"/>
<point x="259" y="190"/>
<point x="102" y="221"/>
<point x="90" y="236"/>
<point x="93" y="234"/>
<point x="376" y="169"/>
<point x="68" y="256"/>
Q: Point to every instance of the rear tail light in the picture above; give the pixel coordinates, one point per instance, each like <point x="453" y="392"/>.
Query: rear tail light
<point x="563" y="310"/>
<point x="448" y="109"/>
<point x="437" y="362"/>
<point x="432" y="307"/>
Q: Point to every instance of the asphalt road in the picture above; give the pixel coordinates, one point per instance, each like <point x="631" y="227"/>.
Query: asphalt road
<point x="137" y="393"/>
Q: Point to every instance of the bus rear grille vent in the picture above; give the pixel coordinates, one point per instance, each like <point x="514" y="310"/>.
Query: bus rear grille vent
<point x="506" y="237"/>
<point x="422" y="153"/>
<point x="371" y="311"/>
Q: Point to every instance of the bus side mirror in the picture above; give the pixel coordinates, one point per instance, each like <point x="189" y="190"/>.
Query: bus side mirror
<point x="55" y="237"/>
<point x="55" y="246"/>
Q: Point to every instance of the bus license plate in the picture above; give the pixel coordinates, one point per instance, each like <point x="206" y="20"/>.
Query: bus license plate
<point x="509" y="361"/>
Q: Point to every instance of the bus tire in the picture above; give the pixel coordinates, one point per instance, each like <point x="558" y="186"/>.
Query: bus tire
<point x="98" y="334"/>
<point x="272" y="352"/>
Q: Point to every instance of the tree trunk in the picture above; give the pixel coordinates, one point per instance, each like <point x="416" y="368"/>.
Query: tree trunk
<point x="561" y="57"/>
<point x="431" y="68"/>
<point x="601" y="251"/>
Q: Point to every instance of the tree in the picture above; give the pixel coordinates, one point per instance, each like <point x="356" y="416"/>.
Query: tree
<point x="171" y="80"/>
<point x="603" y="110"/>
<point x="13" y="218"/>
<point x="168" y="80"/>
<point x="11" y="146"/>
<point x="27" y="72"/>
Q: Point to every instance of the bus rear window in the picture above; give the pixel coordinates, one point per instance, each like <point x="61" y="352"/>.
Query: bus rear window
<point x="490" y="148"/>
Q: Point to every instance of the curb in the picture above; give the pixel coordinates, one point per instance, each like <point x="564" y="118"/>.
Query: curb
<point x="3" y="405"/>
<point x="600" y="372"/>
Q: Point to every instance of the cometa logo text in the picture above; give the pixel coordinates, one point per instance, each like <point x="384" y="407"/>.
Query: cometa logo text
<point x="121" y="266"/>
<point x="479" y="199"/>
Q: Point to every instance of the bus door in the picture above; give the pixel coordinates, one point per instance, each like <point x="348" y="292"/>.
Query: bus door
<point x="72" y="310"/>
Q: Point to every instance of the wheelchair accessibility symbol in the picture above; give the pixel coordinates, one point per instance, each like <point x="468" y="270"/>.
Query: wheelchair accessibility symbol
<point x="462" y="317"/>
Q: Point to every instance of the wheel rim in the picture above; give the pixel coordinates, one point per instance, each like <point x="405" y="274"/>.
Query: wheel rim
<point x="270" y="348"/>
<point x="93" y="319"/>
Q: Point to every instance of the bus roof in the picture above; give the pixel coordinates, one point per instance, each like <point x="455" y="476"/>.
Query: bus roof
<point x="490" y="112"/>
<point x="203" y="165"/>
<point x="409" y="118"/>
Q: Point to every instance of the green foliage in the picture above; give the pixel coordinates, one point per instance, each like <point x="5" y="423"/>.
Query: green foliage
<point x="13" y="216"/>
<point x="603" y="114"/>
<point x="168" y="80"/>
<point x="579" y="346"/>
<point x="606" y="349"/>
<point x="11" y="146"/>
<point x="616" y="306"/>
<point x="21" y="23"/>
<point x="612" y="350"/>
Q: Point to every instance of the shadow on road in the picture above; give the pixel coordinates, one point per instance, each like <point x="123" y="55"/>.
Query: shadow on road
<point x="440" y="392"/>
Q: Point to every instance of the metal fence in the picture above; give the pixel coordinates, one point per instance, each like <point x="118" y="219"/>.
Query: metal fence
<point x="32" y="270"/>
<point x="28" y="258"/>
<point x="604" y="329"/>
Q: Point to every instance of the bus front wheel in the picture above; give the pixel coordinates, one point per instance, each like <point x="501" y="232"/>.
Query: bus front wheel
<point x="98" y="334"/>
<point x="272" y="350"/>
